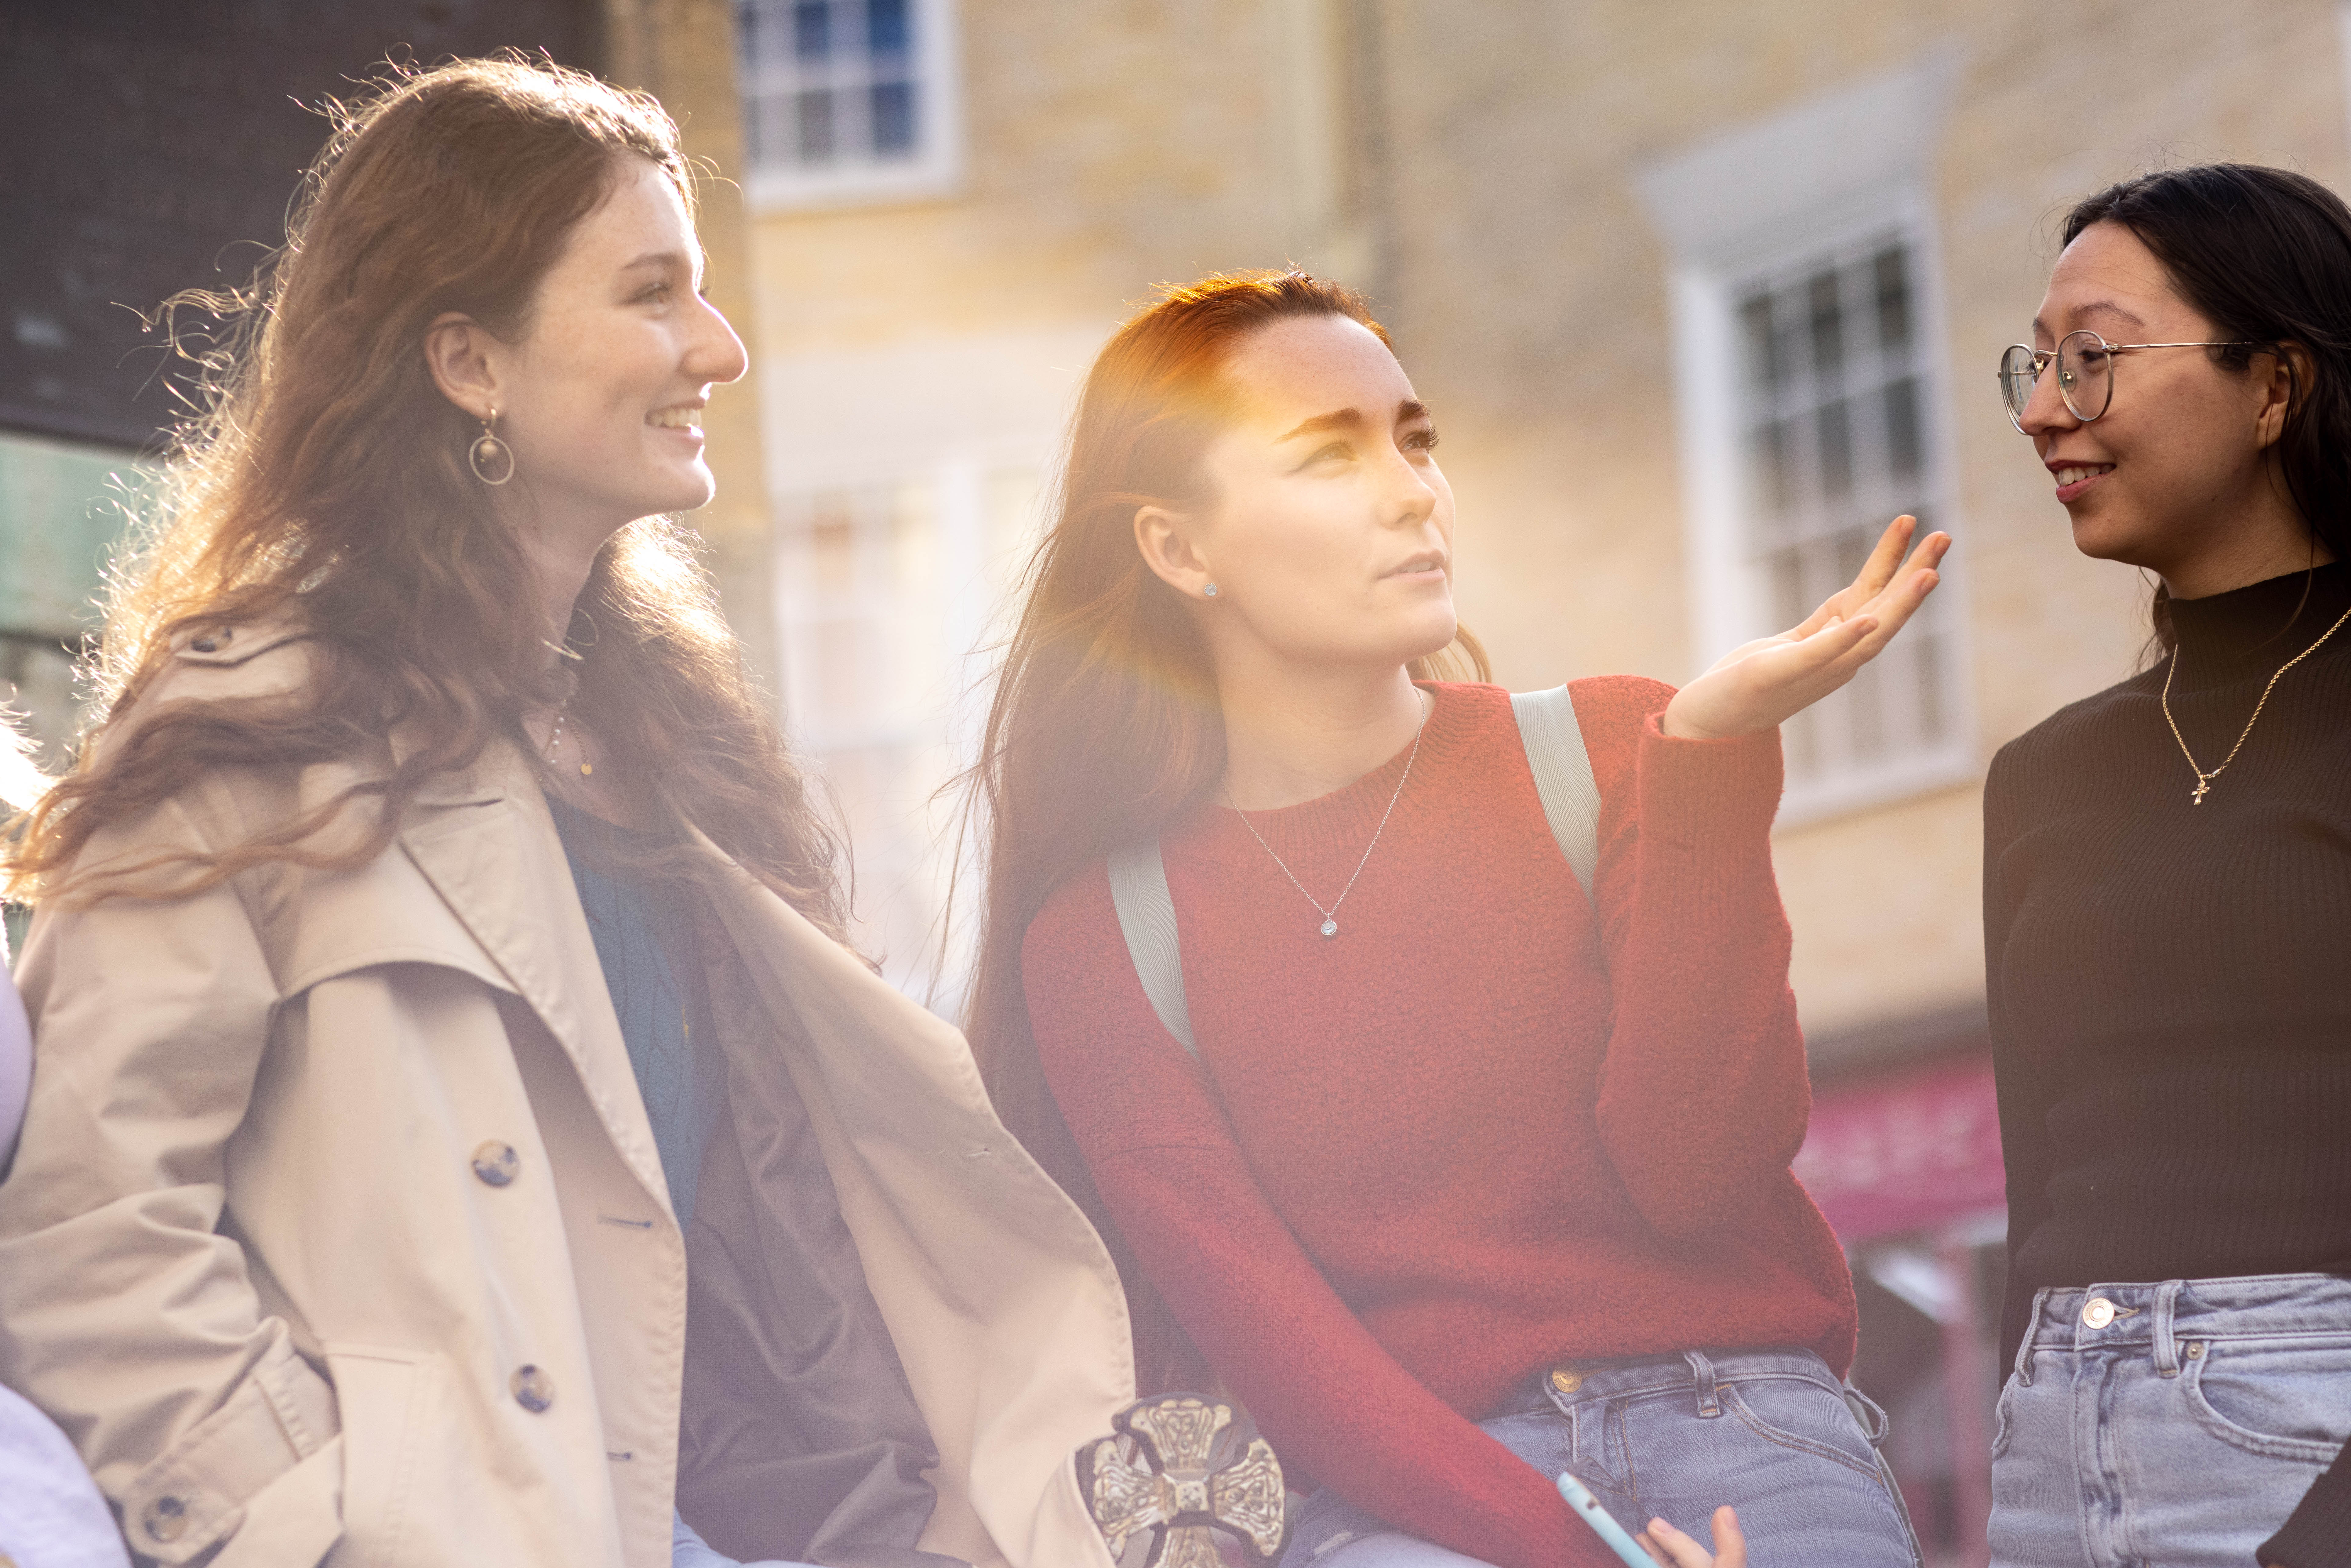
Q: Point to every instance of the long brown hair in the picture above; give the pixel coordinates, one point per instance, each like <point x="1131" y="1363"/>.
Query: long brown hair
<point x="1105" y="720"/>
<point x="326" y="483"/>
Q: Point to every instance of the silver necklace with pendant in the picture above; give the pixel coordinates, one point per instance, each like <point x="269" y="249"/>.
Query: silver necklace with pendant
<point x="1330" y="926"/>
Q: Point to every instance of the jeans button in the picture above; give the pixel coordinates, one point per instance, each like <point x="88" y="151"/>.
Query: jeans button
<point x="1566" y="1382"/>
<point x="2098" y="1312"/>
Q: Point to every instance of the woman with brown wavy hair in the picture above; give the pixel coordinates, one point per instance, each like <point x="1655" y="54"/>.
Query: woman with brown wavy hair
<point x="458" y="1131"/>
<point x="1461" y="1167"/>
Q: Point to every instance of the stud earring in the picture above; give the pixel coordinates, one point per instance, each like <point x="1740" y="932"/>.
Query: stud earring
<point x="491" y="459"/>
<point x="1211" y="590"/>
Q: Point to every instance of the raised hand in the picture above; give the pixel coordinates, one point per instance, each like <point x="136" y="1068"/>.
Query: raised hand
<point x="1673" y="1549"/>
<point x="1766" y="682"/>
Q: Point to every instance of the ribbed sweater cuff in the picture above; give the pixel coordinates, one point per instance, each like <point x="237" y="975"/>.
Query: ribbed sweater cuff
<point x="1703" y="791"/>
<point x="2318" y="1533"/>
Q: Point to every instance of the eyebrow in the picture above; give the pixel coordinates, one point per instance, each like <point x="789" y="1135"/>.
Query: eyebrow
<point x="1409" y="409"/>
<point x="665" y="258"/>
<point x="2099" y="307"/>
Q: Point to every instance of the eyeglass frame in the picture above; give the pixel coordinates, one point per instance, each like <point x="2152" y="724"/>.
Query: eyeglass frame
<point x="2041" y="358"/>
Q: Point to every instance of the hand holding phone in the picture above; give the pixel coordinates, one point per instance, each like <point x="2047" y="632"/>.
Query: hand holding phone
<point x="1604" y="1524"/>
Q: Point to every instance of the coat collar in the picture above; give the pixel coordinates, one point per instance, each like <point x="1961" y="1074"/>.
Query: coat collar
<point x="486" y="843"/>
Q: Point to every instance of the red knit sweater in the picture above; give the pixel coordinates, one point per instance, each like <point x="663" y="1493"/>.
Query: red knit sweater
<point x="1478" y="1132"/>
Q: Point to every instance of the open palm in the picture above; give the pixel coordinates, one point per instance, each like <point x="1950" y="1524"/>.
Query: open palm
<point x="1764" y="683"/>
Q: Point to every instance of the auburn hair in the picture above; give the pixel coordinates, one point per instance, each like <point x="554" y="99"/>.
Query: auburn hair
<point x="1105" y="719"/>
<point x="324" y="483"/>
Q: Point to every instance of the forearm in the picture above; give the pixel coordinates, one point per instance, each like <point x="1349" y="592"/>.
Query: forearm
<point x="1326" y="1392"/>
<point x="1705" y="1092"/>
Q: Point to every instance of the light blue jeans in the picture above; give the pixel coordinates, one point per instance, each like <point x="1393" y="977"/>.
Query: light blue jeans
<point x="2177" y="1423"/>
<point x="1772" y="1433"/>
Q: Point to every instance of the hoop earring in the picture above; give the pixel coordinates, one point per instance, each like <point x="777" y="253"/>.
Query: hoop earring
<point x="491" y="459"/>
<point x="1210" y="591"/>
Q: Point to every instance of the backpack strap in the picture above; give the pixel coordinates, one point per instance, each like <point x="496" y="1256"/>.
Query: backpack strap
<point x="1563" y="770"/>
<point x="1570" y="802"/>
<point x="1146" y="917"/>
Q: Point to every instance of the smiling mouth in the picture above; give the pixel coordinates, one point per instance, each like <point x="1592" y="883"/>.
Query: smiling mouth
<point x="675" y="418"/>
<point x="1418" y="565"/>
<point x="2074" y="473"/>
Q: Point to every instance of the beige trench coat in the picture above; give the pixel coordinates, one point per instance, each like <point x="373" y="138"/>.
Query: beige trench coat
<point x="247" y="1263"/>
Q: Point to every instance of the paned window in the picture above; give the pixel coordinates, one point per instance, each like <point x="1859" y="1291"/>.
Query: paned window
<point x="1833" y="411"/>
<point x="846" y="100"/>
<point x="882" y="593"/>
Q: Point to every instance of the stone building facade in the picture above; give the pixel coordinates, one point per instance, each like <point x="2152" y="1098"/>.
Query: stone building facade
<point x="1701" y="293"/>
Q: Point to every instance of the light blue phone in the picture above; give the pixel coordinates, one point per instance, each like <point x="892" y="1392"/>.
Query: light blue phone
<point x="1604" y="1524"/>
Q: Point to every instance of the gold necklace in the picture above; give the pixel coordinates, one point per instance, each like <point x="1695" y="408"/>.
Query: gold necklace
<point x="554" y="739"/>
<point x="2204" y="780"/>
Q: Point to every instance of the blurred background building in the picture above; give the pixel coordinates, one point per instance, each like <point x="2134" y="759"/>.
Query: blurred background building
<point x="1702" y="294"/>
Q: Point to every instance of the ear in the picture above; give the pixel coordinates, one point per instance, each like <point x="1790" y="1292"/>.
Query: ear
<point x="1168" y="550"/>
<point x="2290" y="374"/>
<point x="459" y="352"/>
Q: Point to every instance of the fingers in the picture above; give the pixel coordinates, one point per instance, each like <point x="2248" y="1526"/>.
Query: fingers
<point x="1675" y="1549"/>
<point x="1729" y="1541"/>
<point x="1893" y="608"/>
<point x="1821" y="649"/>
<point x="1883" y="559"/>
<point x="1875" y="572"/>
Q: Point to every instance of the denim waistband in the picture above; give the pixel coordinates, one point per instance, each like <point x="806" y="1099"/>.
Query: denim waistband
<point x="1616" y="1377"/>
<point x="2172" y="1312"/>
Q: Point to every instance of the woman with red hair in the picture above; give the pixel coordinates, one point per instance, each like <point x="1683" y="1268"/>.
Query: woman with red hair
<point x="1460" y="1167"/>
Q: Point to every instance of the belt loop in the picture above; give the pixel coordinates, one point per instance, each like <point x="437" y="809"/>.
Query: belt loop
<point x="2167" y="1349"/>
<point x="2031" y="1327"/>
<point x="1709" y="1399"/>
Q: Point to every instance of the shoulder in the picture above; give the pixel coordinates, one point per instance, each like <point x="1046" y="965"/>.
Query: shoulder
<point x="224" y="663"/>
<point x="1074" y="932"/>
<point x="2065" y="736"/>
<point x="1618" y="708"/>
<point x="1608" y="709"/>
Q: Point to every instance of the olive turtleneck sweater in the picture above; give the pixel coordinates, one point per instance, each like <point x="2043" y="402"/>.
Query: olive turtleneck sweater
<point x="2170" y="1001"/>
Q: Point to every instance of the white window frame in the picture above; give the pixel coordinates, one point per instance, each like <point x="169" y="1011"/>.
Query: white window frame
<point x="934" y="169"/>
<point x="1826" y="177"/>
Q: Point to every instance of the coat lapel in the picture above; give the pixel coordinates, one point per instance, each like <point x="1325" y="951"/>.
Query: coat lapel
<point x="487" y="844"/>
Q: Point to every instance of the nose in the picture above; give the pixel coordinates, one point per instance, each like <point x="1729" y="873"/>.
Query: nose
<point x="713" y="351"/>
<point x="1408" y="500"/>
<point x="2046" y="411"/>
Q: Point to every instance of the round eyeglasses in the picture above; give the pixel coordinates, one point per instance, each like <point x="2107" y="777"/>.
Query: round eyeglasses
<point x="2085" y="372"/>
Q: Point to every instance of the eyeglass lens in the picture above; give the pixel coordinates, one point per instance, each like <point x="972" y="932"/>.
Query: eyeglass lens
<point x="2085" y="376"/>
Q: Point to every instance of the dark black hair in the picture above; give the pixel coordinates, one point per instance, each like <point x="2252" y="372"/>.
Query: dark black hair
<point x="2266" y="255"/>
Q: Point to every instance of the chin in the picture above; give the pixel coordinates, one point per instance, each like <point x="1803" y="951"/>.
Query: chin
<point x="2103" y="536"/>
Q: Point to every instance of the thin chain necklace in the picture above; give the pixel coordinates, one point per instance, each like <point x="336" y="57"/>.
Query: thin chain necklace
<point x="554" y="739"/>
<point x="562" y="712"/>
<point x="2204" y="779"/>
<point x="1330" y="926"/>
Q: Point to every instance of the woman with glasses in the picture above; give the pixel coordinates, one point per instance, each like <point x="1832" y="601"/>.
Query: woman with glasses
<point x="2167" y="892"/>
<point x="1459" y="1153"/>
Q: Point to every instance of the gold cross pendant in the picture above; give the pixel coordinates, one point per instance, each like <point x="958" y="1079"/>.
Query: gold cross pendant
<point x="2203" y="788"/>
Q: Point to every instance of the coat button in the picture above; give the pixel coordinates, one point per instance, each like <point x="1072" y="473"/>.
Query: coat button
<point x="533" y="1389"/>
<point x="496" y="1162"/>
<point x="2098" y="1312"/>
<point x="165" y="1519"/>
<point x="1566" y="1382"/>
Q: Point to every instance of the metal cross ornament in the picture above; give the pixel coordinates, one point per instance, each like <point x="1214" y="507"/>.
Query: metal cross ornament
<point x="1177" y="1473"/>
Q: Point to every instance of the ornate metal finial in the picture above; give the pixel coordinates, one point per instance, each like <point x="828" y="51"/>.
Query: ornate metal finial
<point x="1178" y="1470"/>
